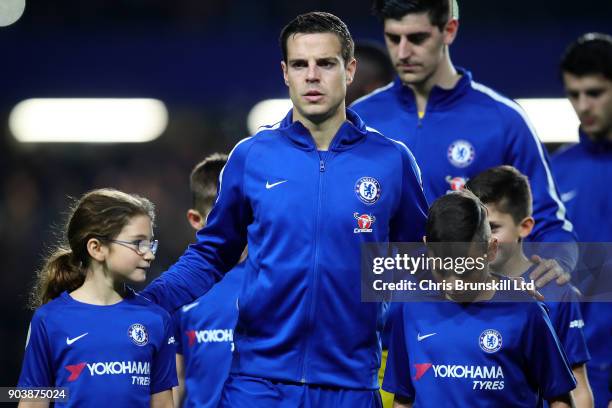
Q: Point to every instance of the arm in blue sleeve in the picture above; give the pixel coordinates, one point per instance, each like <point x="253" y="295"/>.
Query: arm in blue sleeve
<point x="567" y="320"/>
<point x="37" y="370"/>
<point x="163" y="367"/>
<point x="545" y="359"/>
<point x="177" y="330"/>
<point x="408" y="224"/>
<point x="397" y="373"/>
<point x="526" y="153"/>
<point x="219" y="244"/>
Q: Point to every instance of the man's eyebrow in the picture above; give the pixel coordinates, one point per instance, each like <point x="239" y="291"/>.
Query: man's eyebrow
<point x="590" y="90"/>
<point x="407" y="34"/>
<point x="595" y="89"/>
<point x="388" y="34"/>
<point x="320" y="59"/>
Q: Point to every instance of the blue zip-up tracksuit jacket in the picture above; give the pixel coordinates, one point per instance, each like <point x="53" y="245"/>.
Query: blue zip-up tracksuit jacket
<point x="583" y="172"/>
<point x="304" y="215"/>
<point x="465" y="131"/>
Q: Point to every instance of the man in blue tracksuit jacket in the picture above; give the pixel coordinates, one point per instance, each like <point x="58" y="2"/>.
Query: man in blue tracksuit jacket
<point x="456" y="127"/>
<point x="584" y="172"/>
<point x="305" y="195"/>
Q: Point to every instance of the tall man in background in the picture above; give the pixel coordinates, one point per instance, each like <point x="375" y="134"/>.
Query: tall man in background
<point x="295" y="193"/>
<point x="583" y="172"/>
<point x="457" y="127"/>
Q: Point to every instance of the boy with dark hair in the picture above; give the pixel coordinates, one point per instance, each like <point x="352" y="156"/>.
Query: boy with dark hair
<point x="507" y="197"/>
<point x="477" y="347"/>
<point x="583" y="172"/>
<point x="204" y="328"/>
<point x="203" y="183"/>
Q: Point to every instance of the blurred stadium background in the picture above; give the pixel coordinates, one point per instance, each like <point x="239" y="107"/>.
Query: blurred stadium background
<point x="209" y="62"/>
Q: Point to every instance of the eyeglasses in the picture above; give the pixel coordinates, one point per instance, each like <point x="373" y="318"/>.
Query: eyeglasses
<point x="142" y="245"/>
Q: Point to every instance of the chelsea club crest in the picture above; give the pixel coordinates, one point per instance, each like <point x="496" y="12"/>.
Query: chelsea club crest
<point x="367" y="190"/>
<point x="461" y="153"/>
<point x="138" y="334"/>
<point x="490" y="341"/>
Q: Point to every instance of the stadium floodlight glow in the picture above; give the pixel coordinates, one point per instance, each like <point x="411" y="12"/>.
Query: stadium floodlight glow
<point x="67" y="120"/>
<point x="11" y="11"/>
<point x="267" y="112"/>
<point x="553" y="119"/>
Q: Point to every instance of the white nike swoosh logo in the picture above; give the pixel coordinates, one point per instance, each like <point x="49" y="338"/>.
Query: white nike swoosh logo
<point x="419" y="337"/>
<point x="187" y="308"/>
<point x="565" y="197"/>
<point x="269" y="186"/>
<point x="70" y="341"/>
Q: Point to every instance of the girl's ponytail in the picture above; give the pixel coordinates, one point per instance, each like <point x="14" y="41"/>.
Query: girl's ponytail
<point x="61" y="272"/>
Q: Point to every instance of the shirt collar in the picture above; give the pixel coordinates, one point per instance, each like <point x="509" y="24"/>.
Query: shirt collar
<point x="351" y="132"/>
<point x="439" y="98"/>
<point x="600" y="146"/>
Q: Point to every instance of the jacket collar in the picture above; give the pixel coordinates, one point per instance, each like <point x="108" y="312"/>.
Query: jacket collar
<point x="600" y="146"/>
<point x="351" y="132"/>
<point x="439" y="98"/>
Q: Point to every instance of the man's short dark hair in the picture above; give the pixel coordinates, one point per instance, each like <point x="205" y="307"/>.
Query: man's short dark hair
<point x="439" y="11"/>
<point x="319" y="22"/>
<point x="591" y="54"/>
<point x="204" y="181"/>
<point x="506" y="188"/>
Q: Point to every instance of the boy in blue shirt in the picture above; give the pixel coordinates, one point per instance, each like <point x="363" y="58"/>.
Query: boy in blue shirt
<point x="507" y="197"/>
<point x="204" y="328"/>
<point x="476" y="348"/>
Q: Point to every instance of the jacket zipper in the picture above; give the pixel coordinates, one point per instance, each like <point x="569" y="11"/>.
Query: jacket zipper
<point x="314" y="281"/>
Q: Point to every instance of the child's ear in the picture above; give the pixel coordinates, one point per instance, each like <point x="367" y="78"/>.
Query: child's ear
<point x="526" y="226"/>
<point x="195" y="219"/>
<point x="492" y="249"/>
<point x="96" y="249"/>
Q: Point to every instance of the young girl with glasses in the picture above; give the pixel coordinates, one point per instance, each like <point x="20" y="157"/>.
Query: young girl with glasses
<point x="91" y="334"/>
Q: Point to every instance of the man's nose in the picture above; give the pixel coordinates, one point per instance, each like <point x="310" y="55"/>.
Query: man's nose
<point x="404" y="48"/>
<point x="313" y="73"/>
<point x="583" y="104"/>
